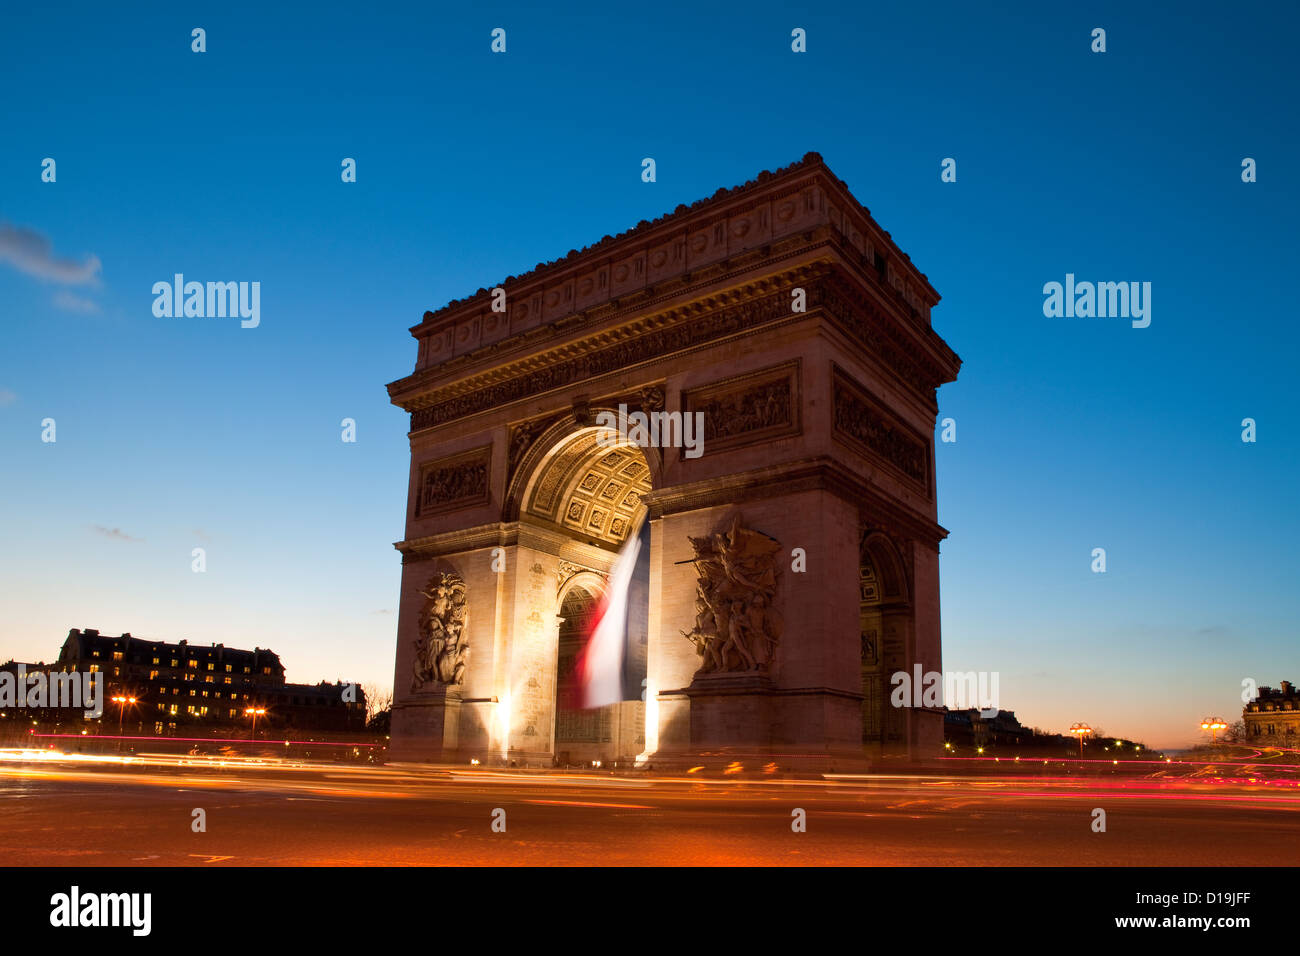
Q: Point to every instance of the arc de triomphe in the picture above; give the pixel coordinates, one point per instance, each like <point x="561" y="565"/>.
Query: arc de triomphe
<point x="807" y="528"/>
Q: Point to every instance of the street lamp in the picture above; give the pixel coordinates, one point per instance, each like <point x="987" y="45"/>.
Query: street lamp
<point x="121" y="709"/>
<point x="1080" y="731"/>
<point x="1213" y="725"/>
<point x="254" y="712"/>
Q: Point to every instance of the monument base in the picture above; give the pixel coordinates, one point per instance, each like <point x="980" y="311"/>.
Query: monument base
<point x="743" y="719"/>
<point x="425" y="726"/>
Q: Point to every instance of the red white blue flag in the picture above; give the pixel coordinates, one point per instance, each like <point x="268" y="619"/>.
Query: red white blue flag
<point x="612" y="664"/>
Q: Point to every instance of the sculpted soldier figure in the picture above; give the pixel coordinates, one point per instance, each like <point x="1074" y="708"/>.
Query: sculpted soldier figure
<point x="736" y="626"/>
<point x="441" y="652"/>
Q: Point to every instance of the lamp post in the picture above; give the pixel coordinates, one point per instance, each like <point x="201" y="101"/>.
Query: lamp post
<point x="1080" y="731"/>
<point x="121" y="709"/>
<point x="1213" y="725"/>
<point x="121" y="701"/>
<point x="254" y="712"/>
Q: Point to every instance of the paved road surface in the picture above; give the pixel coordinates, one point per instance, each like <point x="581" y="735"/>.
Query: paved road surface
<point x="93" y="815"/>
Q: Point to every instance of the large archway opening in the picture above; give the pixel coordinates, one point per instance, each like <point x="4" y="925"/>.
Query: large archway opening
<point x="581" y="734"/>
<point x="884" y="623"/>
<point x="584" y="492"/>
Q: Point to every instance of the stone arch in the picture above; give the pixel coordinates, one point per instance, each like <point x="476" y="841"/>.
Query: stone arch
<point x="885" y="623"/>
<point x="593" y="582"/>
<point x="586" y="482"/>
<point x="561" y="438"/>
<point x="879" y="554"/>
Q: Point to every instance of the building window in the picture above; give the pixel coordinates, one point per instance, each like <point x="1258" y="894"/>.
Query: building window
<point x="175" y="662"/>
<point x="118" y="655"/>
<point x="228" y="668"/>
<point x="207" y="679"/>
<point x="155" y="660"/>
<point x="232" y="712"/>
<point x="211" y="666"/>
<point x="191" y="691"/>
<point x="225" y="680"/>
<point x="153" y="675"/>
<point x="94" y="668"/>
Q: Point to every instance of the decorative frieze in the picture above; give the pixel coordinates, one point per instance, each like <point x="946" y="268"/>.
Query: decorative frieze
<point x="449" y="484"/>
<point x="687" y="331"/>
<point x="758" y="406"/>
<point x="865" y="424"/>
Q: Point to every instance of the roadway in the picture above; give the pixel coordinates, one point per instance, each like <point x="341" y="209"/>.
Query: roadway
<point x="106" y="813"/>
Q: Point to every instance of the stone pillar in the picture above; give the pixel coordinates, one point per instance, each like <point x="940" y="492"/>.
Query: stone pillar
<point x="426" y="726"/>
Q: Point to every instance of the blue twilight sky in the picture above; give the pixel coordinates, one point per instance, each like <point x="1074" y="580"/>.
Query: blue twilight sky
<point x="1072" y="433"/>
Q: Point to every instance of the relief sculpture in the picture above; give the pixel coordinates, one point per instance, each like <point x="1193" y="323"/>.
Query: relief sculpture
<point x="737" y="626"/>
<point x="441" y="650"/>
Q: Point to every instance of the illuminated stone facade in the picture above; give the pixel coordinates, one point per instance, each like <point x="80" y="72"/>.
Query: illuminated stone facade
<point x="787" y="318"/>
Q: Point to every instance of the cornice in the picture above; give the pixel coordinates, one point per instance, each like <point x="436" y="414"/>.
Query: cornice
<point x="723" y="202"/>
<point x="679" y="331"/>
<point x="504" y="534"/>
<point x="809" y="474"/>
<point x="660" y="300"/>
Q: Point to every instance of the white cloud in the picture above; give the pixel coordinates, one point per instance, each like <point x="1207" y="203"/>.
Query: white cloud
<point x="70" y="302"/>
<point x="30" y="252"/>
<point x="115" y="533"/>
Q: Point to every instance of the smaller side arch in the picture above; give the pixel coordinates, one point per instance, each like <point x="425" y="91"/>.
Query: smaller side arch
<point x="878" y="550"/>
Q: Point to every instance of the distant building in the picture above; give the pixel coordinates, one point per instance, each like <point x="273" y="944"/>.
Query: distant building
<point x="182" y="685"/>
<point x="1274" y="713"/>
<point x="969" y="728"/>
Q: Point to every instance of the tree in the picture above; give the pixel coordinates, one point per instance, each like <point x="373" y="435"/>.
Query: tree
<point x="1236" y="732"/>
<point x="379" y="703"/>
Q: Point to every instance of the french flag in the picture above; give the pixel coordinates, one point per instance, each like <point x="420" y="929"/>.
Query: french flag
<point x="611" y="666"/>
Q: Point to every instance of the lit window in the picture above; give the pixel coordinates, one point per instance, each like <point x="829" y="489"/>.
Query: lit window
<point x="225" y="680"/>
<point x="118" y="655"/>
<point x="228" y="668"/>
<point x="211" y="666"/>
<point x="175" y="662"/>
<point x="191" y="691"/>
<point x="207" y="679"/>
<point x="153" y="675"/>
<point x="94" y="668"/>
<point x="155" y="660"/>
